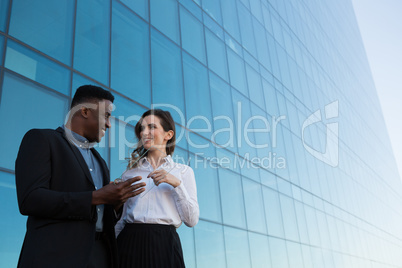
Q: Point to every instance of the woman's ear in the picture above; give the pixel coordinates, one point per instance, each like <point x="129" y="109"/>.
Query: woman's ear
<point x="169" y="135"/>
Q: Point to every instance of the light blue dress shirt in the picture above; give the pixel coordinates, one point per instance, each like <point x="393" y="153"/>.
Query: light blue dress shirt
<point x="84" y="146"/>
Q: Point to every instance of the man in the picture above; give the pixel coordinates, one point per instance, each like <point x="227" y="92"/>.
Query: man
<point x="63" y="186"/>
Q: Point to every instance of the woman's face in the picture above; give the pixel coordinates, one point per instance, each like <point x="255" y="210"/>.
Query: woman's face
<point x="152" y="134"/>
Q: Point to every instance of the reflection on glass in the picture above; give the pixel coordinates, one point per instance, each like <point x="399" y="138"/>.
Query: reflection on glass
<point x="139" y="6"/>
<point x="187" y="242"/>
<point x="246" y="30"/>
<point x="198" y="100"/>
<point x="225" y="134"/>
<point x="11" y="241"/>
<point x="259" y="250"/>
<point x="92" y="39"/>
<point x="230" y="21"/>
<point x="3" y="14"/>
<point x="237" y="251"/>
<point x="1" y="47"/>
<point x="167" y="87"/>
<point x="122" y="142"/>
<point x="45" y="25"/>
<point x="273" y="212"/>
<point x="192" y="35"/>
<point x="29" y="104"/>
<point x="209" y="245"/>
<point x="279" y="255"/>
<point x="165" y="17"/>
<point x="207" y="188"/>
<point x="237" y="72"/>
<point x="130" y="56"/>
<point x="217" y="61"/>
<point x="254" y="206"/>
<point x="36" y="67"/>
<point x="232" y="198"/>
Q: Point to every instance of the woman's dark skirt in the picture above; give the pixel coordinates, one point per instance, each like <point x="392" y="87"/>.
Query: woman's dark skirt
<point x="149" y="246"/>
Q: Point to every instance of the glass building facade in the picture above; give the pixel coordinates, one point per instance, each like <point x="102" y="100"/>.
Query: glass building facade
<point x="276" y="112"/>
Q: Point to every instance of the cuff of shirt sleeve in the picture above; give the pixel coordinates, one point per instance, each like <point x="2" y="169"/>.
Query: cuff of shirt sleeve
<point x="181" y="192"/>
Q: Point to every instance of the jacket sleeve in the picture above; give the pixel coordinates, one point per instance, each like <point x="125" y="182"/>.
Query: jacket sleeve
<point x="33" y="176"/>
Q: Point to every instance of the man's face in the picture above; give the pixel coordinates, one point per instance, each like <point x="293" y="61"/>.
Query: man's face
<point x="98" y="120"/>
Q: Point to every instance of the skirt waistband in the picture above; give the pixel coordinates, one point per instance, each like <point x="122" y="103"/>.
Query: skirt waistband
<point x="149" y="226"/>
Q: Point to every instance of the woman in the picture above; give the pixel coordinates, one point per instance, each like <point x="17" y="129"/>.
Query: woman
<point x="146" y="233"/>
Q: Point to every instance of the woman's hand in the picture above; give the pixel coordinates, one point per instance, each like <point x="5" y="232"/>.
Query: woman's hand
<point x="161" y="175"/>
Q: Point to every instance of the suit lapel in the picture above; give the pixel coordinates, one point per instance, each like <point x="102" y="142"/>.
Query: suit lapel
<point x="78" y="155"/>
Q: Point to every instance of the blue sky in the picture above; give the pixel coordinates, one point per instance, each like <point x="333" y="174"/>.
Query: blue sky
<point x="380" y="25"/>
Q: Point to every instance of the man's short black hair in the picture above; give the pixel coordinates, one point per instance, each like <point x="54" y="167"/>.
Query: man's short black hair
<point x="88" y="93"/>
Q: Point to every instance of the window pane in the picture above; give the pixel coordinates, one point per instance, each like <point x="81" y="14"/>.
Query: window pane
<point x="279" y="253"/>
<point x="295" y="253"/>
<point x="271" y="104"/>
<point x="232" y="198"/>
<point x="122" y="141"/>
<point x="79" y="80"/>
<point x="25" y="106"/>
<point x="199" y="145"/>
<point x="3" y="14"/>
<point x="289" y="218"/>
<point x="237" y="251"/>
<point x="246" y="30"/>
<point x="213" y="9"/>
<point x="12" y="225"/>
<point x="192" y="35"/>
<point x="36" y="67"/>
<point x="209" y="245"/>
<point x="126" y="110"/>
<point x="230" y="22"/>
<point x="44" y="25"/>
<point x="198" y="100"/>
<point x="246" y="141"/>
<point x="255" y="7"/>
<point x="217" y="61"/>
<point x="139" y="6"/>
<point x="237" y="72"/>
<point x="259" y="249"/>
<point x="273" y="212"/>
<point x="167" y="76"/>
<point x="187" y="242"/>
<point x="181" y="137"/>
<point x="165" y="17"/>
<point x="194" y="8"/>
<point x="91" y="48"/>
<point x="207" y="188"/>
<point x="130" y="71"/>
<point x="1" y="48"/>
<point x="254" y="85"/>
<point x="268" y="178"/>
<point x="254" y="206"/>
<point x="224" y="125"/>
<point x="228" y="159"/>
<point x="181" y="156"/>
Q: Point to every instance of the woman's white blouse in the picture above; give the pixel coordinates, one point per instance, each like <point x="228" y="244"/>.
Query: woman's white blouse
<point x="162" y="204"/>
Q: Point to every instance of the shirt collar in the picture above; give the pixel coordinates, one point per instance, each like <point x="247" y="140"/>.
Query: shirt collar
<point x="77" y="139"/>
<point x="168" y="160"/>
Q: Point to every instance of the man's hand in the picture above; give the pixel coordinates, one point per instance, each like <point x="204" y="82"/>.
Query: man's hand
<point x="117" y="194"/>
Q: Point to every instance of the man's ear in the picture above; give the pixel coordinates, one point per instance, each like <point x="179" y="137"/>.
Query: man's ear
<point x="84" y="111"/>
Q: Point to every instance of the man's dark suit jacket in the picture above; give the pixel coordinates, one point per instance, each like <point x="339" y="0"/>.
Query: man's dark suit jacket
<point x="54" y="188"/>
